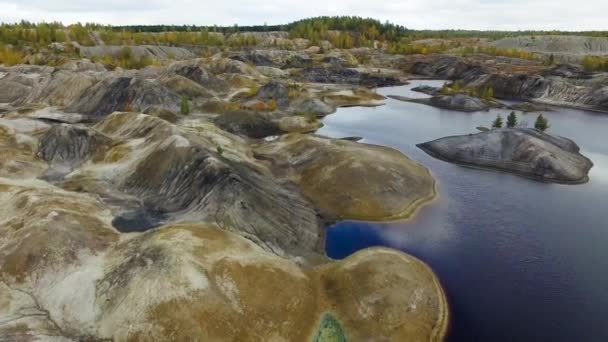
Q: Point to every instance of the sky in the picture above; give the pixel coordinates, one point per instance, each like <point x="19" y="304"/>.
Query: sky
<point x="415" y="14"/>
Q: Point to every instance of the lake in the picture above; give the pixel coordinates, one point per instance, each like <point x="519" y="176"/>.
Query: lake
<point x="519" y="260"/>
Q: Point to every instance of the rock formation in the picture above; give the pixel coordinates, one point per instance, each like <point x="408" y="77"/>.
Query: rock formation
<point x="119" y="225"/>
<point x="237" y="248"/>
<point x="523" y="151"/>
<point x="458" y="102"/>
<point x="561" y="85"/>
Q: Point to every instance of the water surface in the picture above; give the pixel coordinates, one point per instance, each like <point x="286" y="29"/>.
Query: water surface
<point x="520" y="260"/>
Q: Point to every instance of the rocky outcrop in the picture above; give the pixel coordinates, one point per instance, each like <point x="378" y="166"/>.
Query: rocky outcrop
<point x="562" y="85"/>
<point x="523" y="151"/>
<point x="324" y="168"/>
<point x="458" y="102"/>
<point x="443" y="67"/>
<point x="273" y="58"/>
<point x="198" y="71"/>
<point x="271" y="72"/>
<point x="348" y="76"/>
<point x="529" y="107"/>
<point x="65" y="147"/>
<point x="163" y="113"/>
<point x="186" y="87"/>
<point x="276" y="91"/>
<point x="153" y="51"/>
<point x="299" y="124"/>
<point x="248" y="124"/>
<point x="352" y="97"/>
<point x="123" y="93"/>
<point x="591" y="94"/>
<point x="11" y="91"/>
<point x="163" y="173"/>
<point x="567" y="48"/>
<point x="103" y="98"/>
<point x="425" y="89"/>
<point x="311" y="106"/>
<point x="18" y="148"/>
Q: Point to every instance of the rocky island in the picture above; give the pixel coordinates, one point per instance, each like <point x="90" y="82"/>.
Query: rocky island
<point x="457" y="102"/>
<point x="523" y="151"/>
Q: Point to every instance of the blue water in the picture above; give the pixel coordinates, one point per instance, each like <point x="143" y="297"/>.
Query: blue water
<point x="519" y="260"/>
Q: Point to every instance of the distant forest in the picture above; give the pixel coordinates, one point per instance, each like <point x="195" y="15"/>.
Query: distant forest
<point x="20" y="39"/>
<point x="312" y="29"/>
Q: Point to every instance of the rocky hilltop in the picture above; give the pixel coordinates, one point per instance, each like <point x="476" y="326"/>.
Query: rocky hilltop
<point x="561" y="85"/>
<point x="457" y="102"/>
<point x="522" y="151"/>
<point x="568" y="48"/>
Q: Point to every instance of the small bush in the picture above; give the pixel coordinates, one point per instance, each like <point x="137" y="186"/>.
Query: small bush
<point x="497" y="123"/>
<point x="184" y="106"/>
<point x="252" y="91"/>
<point x="10" y="56"/>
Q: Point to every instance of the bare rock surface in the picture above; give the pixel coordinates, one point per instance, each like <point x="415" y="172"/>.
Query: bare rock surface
<point x="154" y="51"/>
<point x="65" y="147"/>
<point x="458" y="102"/>
<point x="522" y="151"/>
<point x="299" y="124"/>
<point x="571" y="48"/>
<point x="561" y="85"/>
<point x="248" y="123"/>
<point x="341" y="75"/>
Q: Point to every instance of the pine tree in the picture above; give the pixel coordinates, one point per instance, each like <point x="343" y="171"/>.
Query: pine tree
<point x="497" y="122"/>
<point x="541" y="124"/>
<point x="512" y="120"/>
<point x="185" y="106"/>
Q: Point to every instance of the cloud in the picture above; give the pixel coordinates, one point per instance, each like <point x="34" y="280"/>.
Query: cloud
<point x="89" y="5"/>
<point x="418" y="14"/>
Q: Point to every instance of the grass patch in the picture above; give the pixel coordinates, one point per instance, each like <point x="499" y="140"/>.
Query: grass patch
<point x="330" y="330"/>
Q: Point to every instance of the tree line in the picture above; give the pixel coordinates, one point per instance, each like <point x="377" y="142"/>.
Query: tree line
<point x="595" y="63"/>
<point x="541" y="123"/>
<point x="362" y="32"/>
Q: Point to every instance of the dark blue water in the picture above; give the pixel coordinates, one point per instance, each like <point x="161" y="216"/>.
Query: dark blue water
<point x="519" y="260"/>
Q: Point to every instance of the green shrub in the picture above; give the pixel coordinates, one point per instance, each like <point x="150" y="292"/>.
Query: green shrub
<point x="541" y="124"/>
<point x="497" y="123"/>
<point x="184" y="107"/>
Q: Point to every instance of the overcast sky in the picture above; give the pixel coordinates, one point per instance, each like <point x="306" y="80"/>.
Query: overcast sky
<point x="416" y="14"/>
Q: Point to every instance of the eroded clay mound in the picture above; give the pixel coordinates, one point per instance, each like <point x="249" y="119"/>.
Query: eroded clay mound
<point x="389" y="185"/>
<point x="523" y="151"/>
<point x="165" y="173"/>
<point x="188" y="281"/>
